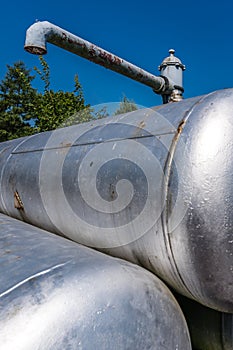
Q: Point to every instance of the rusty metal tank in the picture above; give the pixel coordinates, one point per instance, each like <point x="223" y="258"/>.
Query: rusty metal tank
<point x="152" y="186"/>
<point x="57" y="294"/>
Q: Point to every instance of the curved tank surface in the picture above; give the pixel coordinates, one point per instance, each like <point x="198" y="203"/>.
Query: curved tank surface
<point x="56" y="294"/>
<point x="209" y="329"/>
<point x="151" y="186"/>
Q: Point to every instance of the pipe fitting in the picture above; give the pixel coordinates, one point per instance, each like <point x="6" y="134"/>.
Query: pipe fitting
<point x="172" y="68"/>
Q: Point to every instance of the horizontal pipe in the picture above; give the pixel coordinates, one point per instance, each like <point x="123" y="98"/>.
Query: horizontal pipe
<point x="42" y="32"/>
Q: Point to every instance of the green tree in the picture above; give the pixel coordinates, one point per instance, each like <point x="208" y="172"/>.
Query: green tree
<point x="16" y="102"/>
<point x="125" y="106"/>
<point x="24" y="110"/>
<point x="58" y="108"/>
<point x="101" y="113"/>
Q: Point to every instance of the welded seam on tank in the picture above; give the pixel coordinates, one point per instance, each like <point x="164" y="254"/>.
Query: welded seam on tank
<point x="167" y="173"/>
<point x="36" y="275"/>
<point x="90" y="143"/>
<point x="3" y="168"/>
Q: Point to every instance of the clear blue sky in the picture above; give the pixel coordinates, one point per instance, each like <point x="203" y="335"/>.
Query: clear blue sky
<point x="141" y="32"/>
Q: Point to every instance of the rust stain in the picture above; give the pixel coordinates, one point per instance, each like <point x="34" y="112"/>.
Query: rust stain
<point x="66" y="144"/>
<point x="109" y="57"/>
<point x="63" y="36"/>
<point x="142" y="124"/>
<point x="17" y="201"/>
<point x="113" y="194"/>
<point x="92" y="51"/>
<point x="179" y="130"/>
<point x="180" y="127"/>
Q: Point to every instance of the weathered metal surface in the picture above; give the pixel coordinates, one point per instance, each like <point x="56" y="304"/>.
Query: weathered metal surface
<point x="58" y="295"/>
<point x="172" y="69"/>
<point x="42" y="32"/>
<point x="209" y="329"/>
<point x="151" y="186"/>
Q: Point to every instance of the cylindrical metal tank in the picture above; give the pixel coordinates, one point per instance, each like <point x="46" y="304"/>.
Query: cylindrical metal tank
<point x="56" y="294"/>
<point x="152" y="186"/>
<point x="209" y="329"/>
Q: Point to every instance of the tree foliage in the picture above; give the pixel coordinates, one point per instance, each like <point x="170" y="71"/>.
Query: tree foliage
<point x="24" y="110"/>
<point x="58" y="108"/>
<point x="17" y="98"/>
<point x="125" y="106"/>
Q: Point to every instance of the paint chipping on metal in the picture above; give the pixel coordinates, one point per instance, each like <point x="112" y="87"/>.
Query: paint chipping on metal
<point x="17" y="201"/>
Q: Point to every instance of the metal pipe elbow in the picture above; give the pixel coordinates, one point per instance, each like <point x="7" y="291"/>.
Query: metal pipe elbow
<point x="37" y="36"/>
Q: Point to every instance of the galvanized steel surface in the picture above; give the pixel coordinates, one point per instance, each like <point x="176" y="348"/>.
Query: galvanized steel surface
<point x="152" y="186"/>
<point x="56" y="294"/>
<point x="42" y="32"/>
